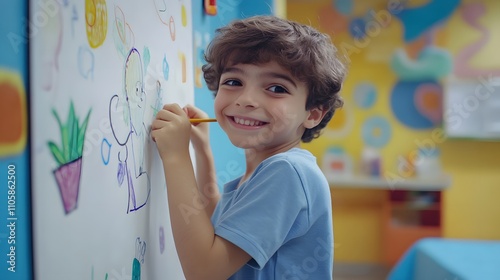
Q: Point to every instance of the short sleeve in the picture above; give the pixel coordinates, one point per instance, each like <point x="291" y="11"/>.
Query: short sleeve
<point x="268" y="210"/>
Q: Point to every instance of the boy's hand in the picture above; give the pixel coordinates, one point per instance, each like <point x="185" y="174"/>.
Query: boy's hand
<point x="171" y="131"/>
<point x="199" y="131"/>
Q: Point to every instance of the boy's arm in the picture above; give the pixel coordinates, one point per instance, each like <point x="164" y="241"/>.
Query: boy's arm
<point x="206" y="178"/>
<point x="205" y="167"/>
<point x="203" y="254"/>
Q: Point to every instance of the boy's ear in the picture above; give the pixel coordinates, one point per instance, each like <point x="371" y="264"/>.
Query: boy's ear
<point x="315" y="117"/>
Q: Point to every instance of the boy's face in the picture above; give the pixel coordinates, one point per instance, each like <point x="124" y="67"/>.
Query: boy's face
<point x="262" y="106"/>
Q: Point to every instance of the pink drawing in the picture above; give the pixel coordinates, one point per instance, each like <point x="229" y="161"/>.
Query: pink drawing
<point x="68" y="180"/>
<point x="471" y="13"/>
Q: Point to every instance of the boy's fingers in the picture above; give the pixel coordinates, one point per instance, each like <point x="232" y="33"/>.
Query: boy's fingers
<point x="168" y="114"/>
<point x="156" y="124"/>
<point x="174" y="108"/>
<point x="163" y="115"/>
<point x="194" y="112"/>
<point x="153" y="135"/>
<point x="189" y="111"/>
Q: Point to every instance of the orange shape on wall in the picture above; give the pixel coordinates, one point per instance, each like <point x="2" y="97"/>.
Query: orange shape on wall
<point x="332" y="21"/>
<point x="13" y="114"/>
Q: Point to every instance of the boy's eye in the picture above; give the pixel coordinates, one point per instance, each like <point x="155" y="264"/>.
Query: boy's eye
<point x="232" y="83"/>
<point x="277" y="89"/>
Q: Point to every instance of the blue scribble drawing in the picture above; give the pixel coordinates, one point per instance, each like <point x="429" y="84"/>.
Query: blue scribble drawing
<point x="159" y="99"/>
<point x="126" y="115"/>
<point x="166" y="68"/>
<point x="86" y="62"/>
<point x="105" y="151"/>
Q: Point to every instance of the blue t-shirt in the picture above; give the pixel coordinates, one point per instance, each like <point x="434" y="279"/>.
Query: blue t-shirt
<point x="281" y="216"/>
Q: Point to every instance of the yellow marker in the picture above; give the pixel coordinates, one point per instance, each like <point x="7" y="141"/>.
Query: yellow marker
<point x="202" y="120"/>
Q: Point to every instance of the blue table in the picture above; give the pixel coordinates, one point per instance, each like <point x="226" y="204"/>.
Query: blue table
<point x="449" y="259"/>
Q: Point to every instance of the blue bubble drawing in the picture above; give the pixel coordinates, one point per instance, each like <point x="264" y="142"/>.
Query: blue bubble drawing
<point x="357" y="28"/>
<point x="86" y="62"/>
<point x="344" y="7"/>
<point x="166" y="68"/>
<point x="365" y="95"/>
<point x="105" y="151"/>
<point x="376" y="132"/>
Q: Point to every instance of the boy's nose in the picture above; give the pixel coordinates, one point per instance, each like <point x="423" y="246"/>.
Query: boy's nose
<point x="247" y="97"/>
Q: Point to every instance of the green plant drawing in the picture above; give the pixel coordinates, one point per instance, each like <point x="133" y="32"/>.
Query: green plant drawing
<point x="72" y="137"/>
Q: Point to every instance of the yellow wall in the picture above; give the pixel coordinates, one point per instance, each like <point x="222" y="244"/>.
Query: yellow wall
<point x="471" y="206"/>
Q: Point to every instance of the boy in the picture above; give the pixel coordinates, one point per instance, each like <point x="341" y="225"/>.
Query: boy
<point x="276" y="83"/>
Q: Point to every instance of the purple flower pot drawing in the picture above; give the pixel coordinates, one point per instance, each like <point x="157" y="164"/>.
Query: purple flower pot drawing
<point x="68" y="181"/>
<point x="68" y="155"/>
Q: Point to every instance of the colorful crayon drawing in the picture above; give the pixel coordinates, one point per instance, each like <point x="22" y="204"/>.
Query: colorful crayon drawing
<point x="123" y="36"/>
<point x="126" y="115"/>
<point x="161" y="11"/>
<point x="96" y="17"/>
<point x="69" y="157"/>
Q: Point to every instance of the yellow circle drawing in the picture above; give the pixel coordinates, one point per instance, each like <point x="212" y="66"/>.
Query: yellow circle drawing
<point x="96" y="17"/>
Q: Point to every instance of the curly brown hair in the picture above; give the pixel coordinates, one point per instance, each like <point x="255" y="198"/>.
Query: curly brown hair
<point x="308" y="54"/>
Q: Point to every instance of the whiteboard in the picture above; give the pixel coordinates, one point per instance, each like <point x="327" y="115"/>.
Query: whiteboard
<point x="100" y="70"/>
<point x="471" y="108"/>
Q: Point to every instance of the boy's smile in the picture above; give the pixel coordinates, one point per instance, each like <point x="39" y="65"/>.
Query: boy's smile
<point x="246" y="123"/>
<point x="262" y="106"/>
